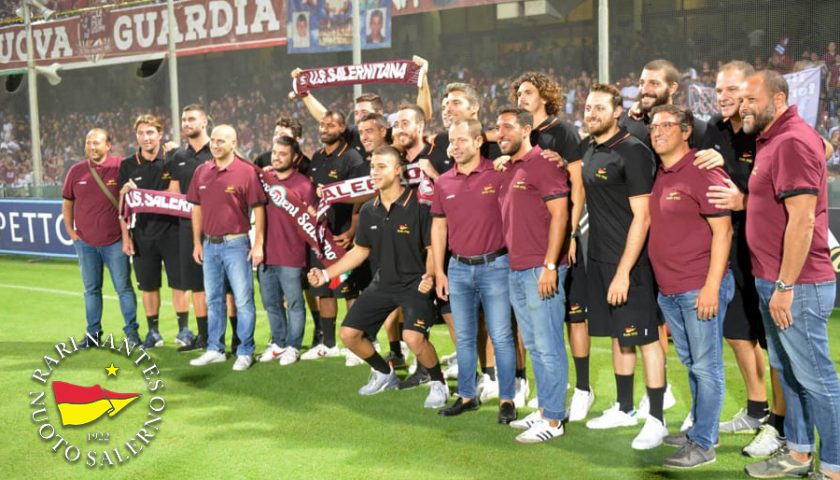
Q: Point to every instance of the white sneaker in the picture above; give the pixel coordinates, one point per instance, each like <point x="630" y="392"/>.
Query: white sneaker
<point x="766" y="443"/>
<point x="613" y="418"/>
<point x="529" y="421"/>
<point x="651" y="435"/>
<point x="540" y="432"/>
<point x="451" y="359"/>
<point x="290" y="356"/>
<point x="534" y="402"/>
<point x="243" y="362"/>
<point x="208" y="357"/>
<point x="451" y="371"/>
<point x="320" y="351"/>
<point x="351" y="359"/>
<point x="438" y="395"/>
<point x="581" y="403"/>
<point x="404" y="349"/>
<point x="668" y="401"/>
<point x="687" y="423"/>
<point x="489" y="390"/>
<point x="413" y="367"/>
<point x="379" y="382"/>
<point x="523" y="390"/>
<point x="376" y="346"/>
<point x="272" y="352"/>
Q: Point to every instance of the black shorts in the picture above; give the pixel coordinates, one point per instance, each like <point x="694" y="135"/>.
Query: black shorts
<point x="192" y="275"/>
<point x="348" y="289"/>
<point x="375" y="304"/>
<point x="149" y="253"/>
<point x="575" y="287"/>
<point x="635" y="322"/>
<point x="743" y="317"/>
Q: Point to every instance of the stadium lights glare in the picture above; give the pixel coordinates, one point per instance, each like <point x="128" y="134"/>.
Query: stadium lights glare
<point x="46" y="12"/>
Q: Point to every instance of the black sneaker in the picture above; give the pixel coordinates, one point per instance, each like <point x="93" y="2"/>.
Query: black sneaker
<point x="397" y="363"/>
<point x="198" y="343"/>
<point x="507" y="413"/>
<point x="88" y="343"/>
<point x="420" y="377"/>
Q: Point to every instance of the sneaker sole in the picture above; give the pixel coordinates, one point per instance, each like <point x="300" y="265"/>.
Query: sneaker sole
<point x="536" y="440"/>
<point x="208" y="363"/>
<point x="778" y="475"/>
<point x="381" y="389"/>
<point x="610" y="427"/>
<point x="181" y="343"/>
<point x="645" y="447"/>
<point x="689" y="467"/>
<point x="739" y="432"/>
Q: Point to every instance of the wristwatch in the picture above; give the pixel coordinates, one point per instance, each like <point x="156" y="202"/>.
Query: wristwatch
<point x="781" y="286"/>
<point x="550" y="266"/>
<point x="575" y="234"/>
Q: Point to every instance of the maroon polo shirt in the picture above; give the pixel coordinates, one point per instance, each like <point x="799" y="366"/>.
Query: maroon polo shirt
<point x="680" y="242"/>
<point x="283" y="244"/>
<point x="225" y="195"/>
<point x="529" y="183"/>
<point x="790" y="160"/>
<point x="470" y="204"/>
<point x="96" y="218"/>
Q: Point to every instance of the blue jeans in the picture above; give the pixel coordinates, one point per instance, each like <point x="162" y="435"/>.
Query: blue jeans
<point x="699" y="344"/>
<point x="91" y="262"/>
<point x="540" y="322"/>
<point x="486" y="284"/>
<point x="229" y="259"/>
<point x="806" y="370"/>
<point x="275" y="283"/>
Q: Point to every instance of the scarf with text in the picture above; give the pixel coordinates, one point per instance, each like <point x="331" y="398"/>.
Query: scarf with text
<point x="392" y="71"/>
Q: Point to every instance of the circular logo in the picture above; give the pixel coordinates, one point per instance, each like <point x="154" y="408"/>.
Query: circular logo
<point x="277" y="193"/>
<point x="97" y="402"/>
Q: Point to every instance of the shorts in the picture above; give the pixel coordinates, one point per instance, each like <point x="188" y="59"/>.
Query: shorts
<point x="634" y="323"/>
<point x="348" y="289"/>
<point x="149" y="253"/>
<point x="743" y="317"/>
<point x="575" y="288"/>
<point x="375" y="304"/>
<point x="192" y="275"/>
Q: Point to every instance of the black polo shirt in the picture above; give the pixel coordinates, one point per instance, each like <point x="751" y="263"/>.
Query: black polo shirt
<point x="181" y="164"/>
<point x="443" y="162"/>
<point x="343" y="163"/>
<point x="703" y="136"/>
<point x="739" y="162"/>
<point x="613" y="172"/>
<point x="398" y="239"/>
<point x="559" y="136"/>
<point x="149" y="175"/>
<point x="352" y="138"/>
<point x="302" y="161"/>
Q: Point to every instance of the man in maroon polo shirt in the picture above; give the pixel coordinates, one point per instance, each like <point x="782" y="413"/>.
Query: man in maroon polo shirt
<point x="465" y="209"/>
<point x="689" y="251"/>
<point x="535" y="214"/>
<point x="787" y="232"/>
<point x="222" y="191"/>
<point x="285" y="255"/>
<point x="92" y="221"/>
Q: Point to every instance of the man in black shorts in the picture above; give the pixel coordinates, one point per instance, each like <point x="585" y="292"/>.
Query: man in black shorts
<point x="155" y="238"/>
<point x="395" y="232"/>
<point x="618" y="172"/>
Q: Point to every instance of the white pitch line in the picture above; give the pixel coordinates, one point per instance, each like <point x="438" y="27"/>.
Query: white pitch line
<point x="52" y="290"/>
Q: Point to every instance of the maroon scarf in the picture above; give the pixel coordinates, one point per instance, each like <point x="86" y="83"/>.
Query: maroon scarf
<point x="393" y="71"/>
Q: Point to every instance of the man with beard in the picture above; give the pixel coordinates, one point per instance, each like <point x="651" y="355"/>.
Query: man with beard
<point x="534" y="205"/>
<point x="618" y="174"/>
<point x="335" y="162"/>
<point x="155" y="236"/>
<point x="542" y="96"/>
<point x="787" y="233"/>
<point x="222" y="192"/>
<point x="181" y="166"/>
<point x="286" y="127"/>
<point x="394" y="229"/>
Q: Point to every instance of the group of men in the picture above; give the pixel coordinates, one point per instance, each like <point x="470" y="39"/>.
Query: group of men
<point x="714" y="229"/>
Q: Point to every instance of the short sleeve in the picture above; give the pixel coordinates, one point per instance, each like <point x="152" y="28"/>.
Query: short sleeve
<point x="310" y="197"/>
<point x="639" y="170"/>
<point x="351" y="133"/>
<point x="67" y="189"/>
<point x="437" y="201"/>
<point x="568" y="144"/>
<point x="425" y="225"/>
<point x="192" y="192"/>
<point x="255" y="194"/>
<point x="703" y="180"/>
<point x="362" y="237"/>
<point x="797" y="169"/>
<point x="124" y="173"/>
<point x="551" y="182"/>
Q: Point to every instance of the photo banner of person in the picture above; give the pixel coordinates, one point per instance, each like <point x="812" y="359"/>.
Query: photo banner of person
<point x="804" y="88"/>
<point x="316" y="26"/>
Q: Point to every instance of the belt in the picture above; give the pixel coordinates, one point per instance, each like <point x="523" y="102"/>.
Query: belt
<point x="225" y="238"/>
<point x="481" y="259"/>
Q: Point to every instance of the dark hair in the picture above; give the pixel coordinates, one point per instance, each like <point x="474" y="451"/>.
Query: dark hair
<point x="468" y="90"/>
<point x="684" y="116"/>
<point x="374" y="99"/>
<point x="342" y="119"/>
<point x="290" y="123"/>
<point x="419" y="114"/>
<point x="672" y="75"/>
<point x="378" y="118"/>
<point x="389" y="151"/>
<point x="473" y="126"/>
<point x="195" y="107"/>
<point x="289" y="142"/>
<point x="301" y="18"/>
<point x="149" y="119"/>
<point x="609" y="90"/>
<point x="523" y="117"/>
<point x="547" y="87"/>
<point x="376" y="13"/>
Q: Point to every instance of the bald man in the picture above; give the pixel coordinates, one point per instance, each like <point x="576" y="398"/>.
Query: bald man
<point x="222" y="191"/>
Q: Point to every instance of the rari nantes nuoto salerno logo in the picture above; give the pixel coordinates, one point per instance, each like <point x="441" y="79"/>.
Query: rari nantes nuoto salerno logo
<point x="86" y="408"/>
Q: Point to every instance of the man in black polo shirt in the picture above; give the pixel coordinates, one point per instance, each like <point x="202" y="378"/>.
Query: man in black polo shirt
<point x="286" y="127"/>
<point x="180" y="166"/>
<point x="542" y="96"/>
<point x="394" y="231"/>
<point x="333" y="163"/>
<point x="618" y="171"/>
<point x="155" y="238"/>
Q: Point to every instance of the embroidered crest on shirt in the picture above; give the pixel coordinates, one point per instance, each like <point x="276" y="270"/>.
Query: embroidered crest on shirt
<point x="403" y="228"/>
<point x="601" y="173"/>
